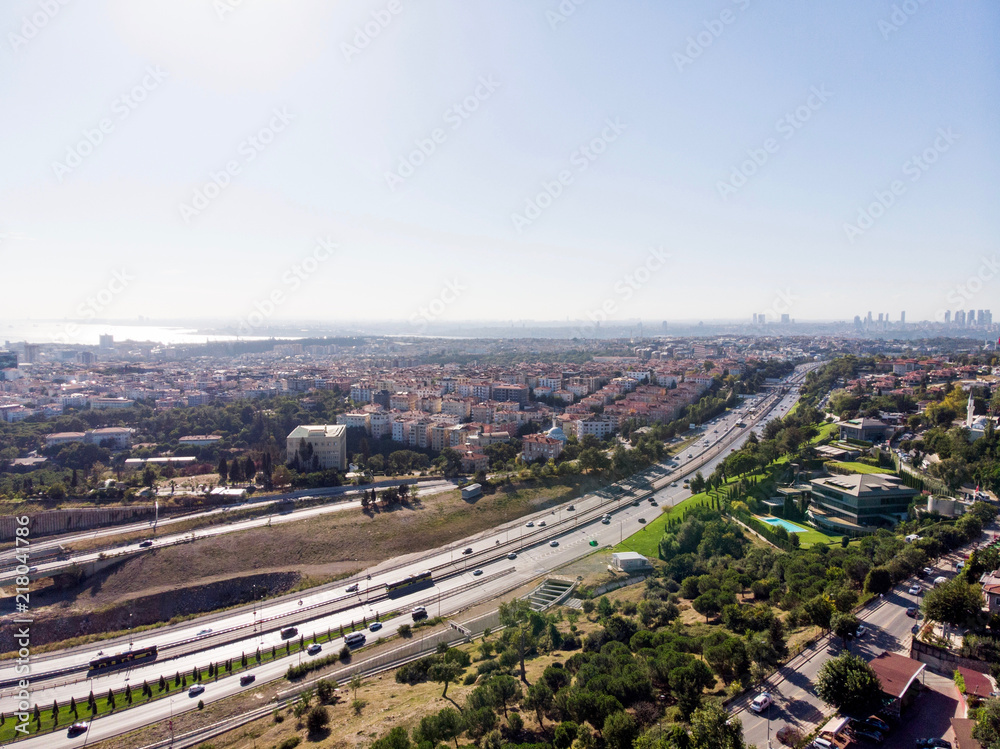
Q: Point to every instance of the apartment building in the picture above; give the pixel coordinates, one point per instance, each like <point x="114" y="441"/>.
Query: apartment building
<point x="328" y="441"/>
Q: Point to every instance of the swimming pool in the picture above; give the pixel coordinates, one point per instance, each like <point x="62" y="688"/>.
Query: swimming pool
<point x="790" y="527"/>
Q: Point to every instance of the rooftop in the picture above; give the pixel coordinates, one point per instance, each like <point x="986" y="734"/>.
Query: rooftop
<point x="896" y="672"/>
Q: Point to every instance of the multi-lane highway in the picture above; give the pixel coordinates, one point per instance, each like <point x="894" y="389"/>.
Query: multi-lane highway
<point x="501" y="559"/>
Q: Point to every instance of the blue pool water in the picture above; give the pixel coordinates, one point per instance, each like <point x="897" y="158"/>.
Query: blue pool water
<point x="790" y="527"/>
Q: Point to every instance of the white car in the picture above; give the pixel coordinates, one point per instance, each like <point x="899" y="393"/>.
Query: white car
<point x="195" y="690"/>
<point x="314" y="648"/>
<point x="914" y="590"/>
<point x="761" y="702"/>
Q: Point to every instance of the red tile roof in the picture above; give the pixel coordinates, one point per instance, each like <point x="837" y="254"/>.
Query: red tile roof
<point x="896" y="672"/>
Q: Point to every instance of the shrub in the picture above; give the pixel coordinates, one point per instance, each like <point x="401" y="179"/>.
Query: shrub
<point x="290" y="743"/>
<point x="318" y="719"/>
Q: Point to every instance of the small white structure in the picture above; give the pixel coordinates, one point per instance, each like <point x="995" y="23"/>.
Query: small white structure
<point x="471" y="491"/>
<point x="629" y="561"/>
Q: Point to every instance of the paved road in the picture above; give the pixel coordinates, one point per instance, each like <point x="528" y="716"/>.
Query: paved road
<point x="566" y="536"/>
<point x="796" y="702"/>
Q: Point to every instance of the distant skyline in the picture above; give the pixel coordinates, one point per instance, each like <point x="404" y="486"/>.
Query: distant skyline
<point x="258" y="164"/>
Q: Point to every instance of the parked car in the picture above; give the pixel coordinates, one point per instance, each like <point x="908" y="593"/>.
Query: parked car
<point x="314" y="648"/>
<point x="877" y="723"/>
<point x="761" y="702"/>
<point x="861" y="631"/>
<point x="928" y="571"/>
<point x="863" y="731"/>
<point x="247" y="679"/>
<point x="934" y="743"/>
<point x="195" y="690"/>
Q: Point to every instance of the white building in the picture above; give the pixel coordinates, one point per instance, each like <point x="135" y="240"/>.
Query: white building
<point x="328" y="441"/>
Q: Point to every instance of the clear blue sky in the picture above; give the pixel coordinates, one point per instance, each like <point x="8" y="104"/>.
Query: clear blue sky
<point x="687" y="112"/>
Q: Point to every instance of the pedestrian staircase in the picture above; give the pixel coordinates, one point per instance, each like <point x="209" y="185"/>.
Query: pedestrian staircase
<point x="551" y="592"/>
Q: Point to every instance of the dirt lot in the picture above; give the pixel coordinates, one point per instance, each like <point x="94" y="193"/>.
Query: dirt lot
<point x="321" y="549"/>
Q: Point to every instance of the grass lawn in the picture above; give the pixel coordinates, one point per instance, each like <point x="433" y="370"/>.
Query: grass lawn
<point x="811" y="536"/>
<point x="647" y="540"/>
<point x="826" y="430"/>
<point x="850" y="465"/>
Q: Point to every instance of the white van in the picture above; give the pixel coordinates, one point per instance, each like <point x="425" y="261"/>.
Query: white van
<point x="355" y="639"/>
<point x="940" y="580"/>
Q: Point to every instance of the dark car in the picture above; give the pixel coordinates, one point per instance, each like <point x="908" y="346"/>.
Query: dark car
<point x="934" y="743"/>
<point x="877" y="723"/>
<point x="862" y="731"/>
<point x="247" y="679"/>
<point x="76" y="729"/>
<point x="146" y="544"/>
<point x="912" y="612"/>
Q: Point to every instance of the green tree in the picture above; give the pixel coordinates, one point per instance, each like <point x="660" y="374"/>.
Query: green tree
<point x="987" y="729"/>
<point x="844" y="626"/>
<point x="450" y="725"/>
<point x="539" y="699"/>
<point x="318" y="719"/>
<point x="848" y="683"/>
<point x="397" y="738"/>
<point x="514" y="616"/>
<point x="878" y="581"/>
<point x="619" y="731"/>
<point x="505" y="689"/>
<point x="712" y="728"/>
<point x="444" y="672"/>
<point x="955" y="602"/>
